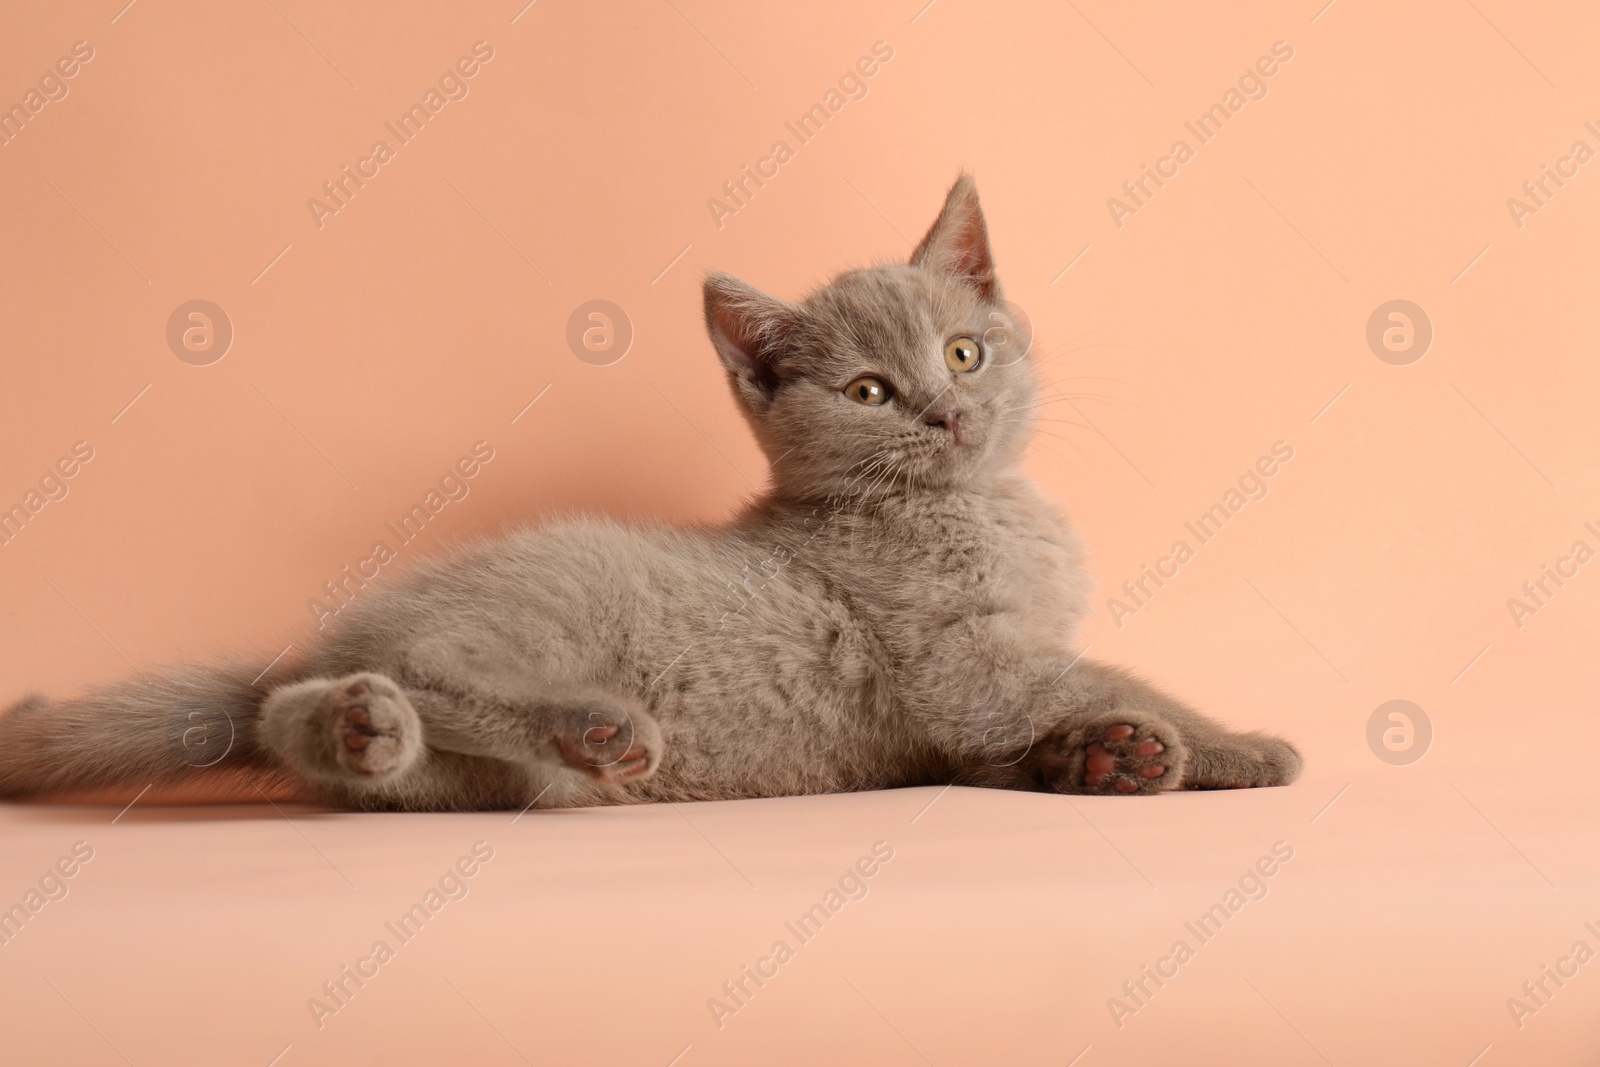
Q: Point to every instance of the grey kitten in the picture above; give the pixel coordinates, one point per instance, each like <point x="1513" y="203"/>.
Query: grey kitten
<point x="900" y="608"/>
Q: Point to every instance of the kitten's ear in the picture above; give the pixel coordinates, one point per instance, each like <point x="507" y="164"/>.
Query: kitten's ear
<point x="957" y="243"/>
<point x="750" y="331"/>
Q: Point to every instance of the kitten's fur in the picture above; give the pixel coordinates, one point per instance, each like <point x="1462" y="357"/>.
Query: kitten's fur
<point x="901" y="608"/>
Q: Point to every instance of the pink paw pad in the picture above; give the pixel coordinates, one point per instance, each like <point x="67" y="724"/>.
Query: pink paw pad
<point x="1102" y="765"/>
<point x="372" y="728"/>
<point x="359" y="721"/>
<point x="597" y="755"/>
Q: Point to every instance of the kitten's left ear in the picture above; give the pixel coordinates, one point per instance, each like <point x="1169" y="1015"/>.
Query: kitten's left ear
<point x="958" y="242"/>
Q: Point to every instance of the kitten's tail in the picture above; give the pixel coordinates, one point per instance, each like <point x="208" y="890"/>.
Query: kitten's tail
<point x="159" y="729"/>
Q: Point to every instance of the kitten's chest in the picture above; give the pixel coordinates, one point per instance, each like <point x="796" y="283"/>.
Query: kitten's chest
<point x="1008" y="553"/>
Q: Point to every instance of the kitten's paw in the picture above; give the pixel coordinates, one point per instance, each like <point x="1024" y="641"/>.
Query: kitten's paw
<point x="1118" y="753"/>
<point x="374" y="731"/>
<point x="1243" y="761"/>
<point x="613" y="743"/>
<point x="1280" y="761"/>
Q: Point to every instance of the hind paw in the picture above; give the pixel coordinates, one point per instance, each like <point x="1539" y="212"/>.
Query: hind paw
<point x="609" y="742"/>
<point x="359" y="727"/>
<point x="373" y="730"/>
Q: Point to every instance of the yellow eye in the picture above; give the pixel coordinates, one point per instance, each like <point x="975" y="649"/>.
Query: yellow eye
<point x="962" y="355"/>
<point x="868" y="390"/>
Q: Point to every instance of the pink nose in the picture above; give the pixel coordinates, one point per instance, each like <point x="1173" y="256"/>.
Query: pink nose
<point x="949" y="420"/>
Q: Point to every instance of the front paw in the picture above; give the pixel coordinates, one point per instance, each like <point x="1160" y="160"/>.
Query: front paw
<point x="1118" y="753"/>
<point x="1244" y="761"/>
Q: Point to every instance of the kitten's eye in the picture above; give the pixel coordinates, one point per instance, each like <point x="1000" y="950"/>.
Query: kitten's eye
<point x="868" y="390"/>
<point x="962" y="355"/>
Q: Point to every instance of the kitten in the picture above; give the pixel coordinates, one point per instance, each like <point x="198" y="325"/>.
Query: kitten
<point x="900" y="608"/>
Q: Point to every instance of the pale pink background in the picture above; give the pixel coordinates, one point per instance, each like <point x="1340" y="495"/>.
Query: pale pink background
<point x="1223" y="317"/>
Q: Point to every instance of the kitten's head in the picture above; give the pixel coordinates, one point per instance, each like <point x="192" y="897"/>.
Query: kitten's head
<point x="903" y="375"/>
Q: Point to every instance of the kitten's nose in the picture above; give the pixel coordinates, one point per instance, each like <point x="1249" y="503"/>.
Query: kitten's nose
<point x="949" y="420"/>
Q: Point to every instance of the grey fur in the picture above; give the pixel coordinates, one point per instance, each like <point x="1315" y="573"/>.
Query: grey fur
<point x="901" y="608"/>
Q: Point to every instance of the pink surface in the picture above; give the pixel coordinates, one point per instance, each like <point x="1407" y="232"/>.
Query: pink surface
<point x="998" y="932"/>
<point x="372" y="348"/>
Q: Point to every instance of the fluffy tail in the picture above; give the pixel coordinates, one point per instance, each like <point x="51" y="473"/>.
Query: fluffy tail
<point x="160" y="729"/>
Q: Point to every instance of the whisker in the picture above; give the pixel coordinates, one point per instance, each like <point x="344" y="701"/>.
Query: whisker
<point x="1051" y="434"/>
<point x="1058" y="353"/>
<point x="1080" y="337"/>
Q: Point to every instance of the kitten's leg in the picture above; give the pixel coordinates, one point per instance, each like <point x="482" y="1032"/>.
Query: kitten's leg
<point x="1104" y="731"/>
<point x="364" y="733"/>
<point x="364" y="741"/>
<point x="480" y="694"/>
<point x="607" y="738"/>
<point x="1123" y="735"/>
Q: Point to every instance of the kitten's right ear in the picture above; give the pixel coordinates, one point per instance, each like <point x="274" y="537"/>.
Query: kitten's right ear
<point x="749" y="329"/>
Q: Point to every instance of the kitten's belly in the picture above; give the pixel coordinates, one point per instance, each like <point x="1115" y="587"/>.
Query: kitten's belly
<point x="779" y="689"/>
